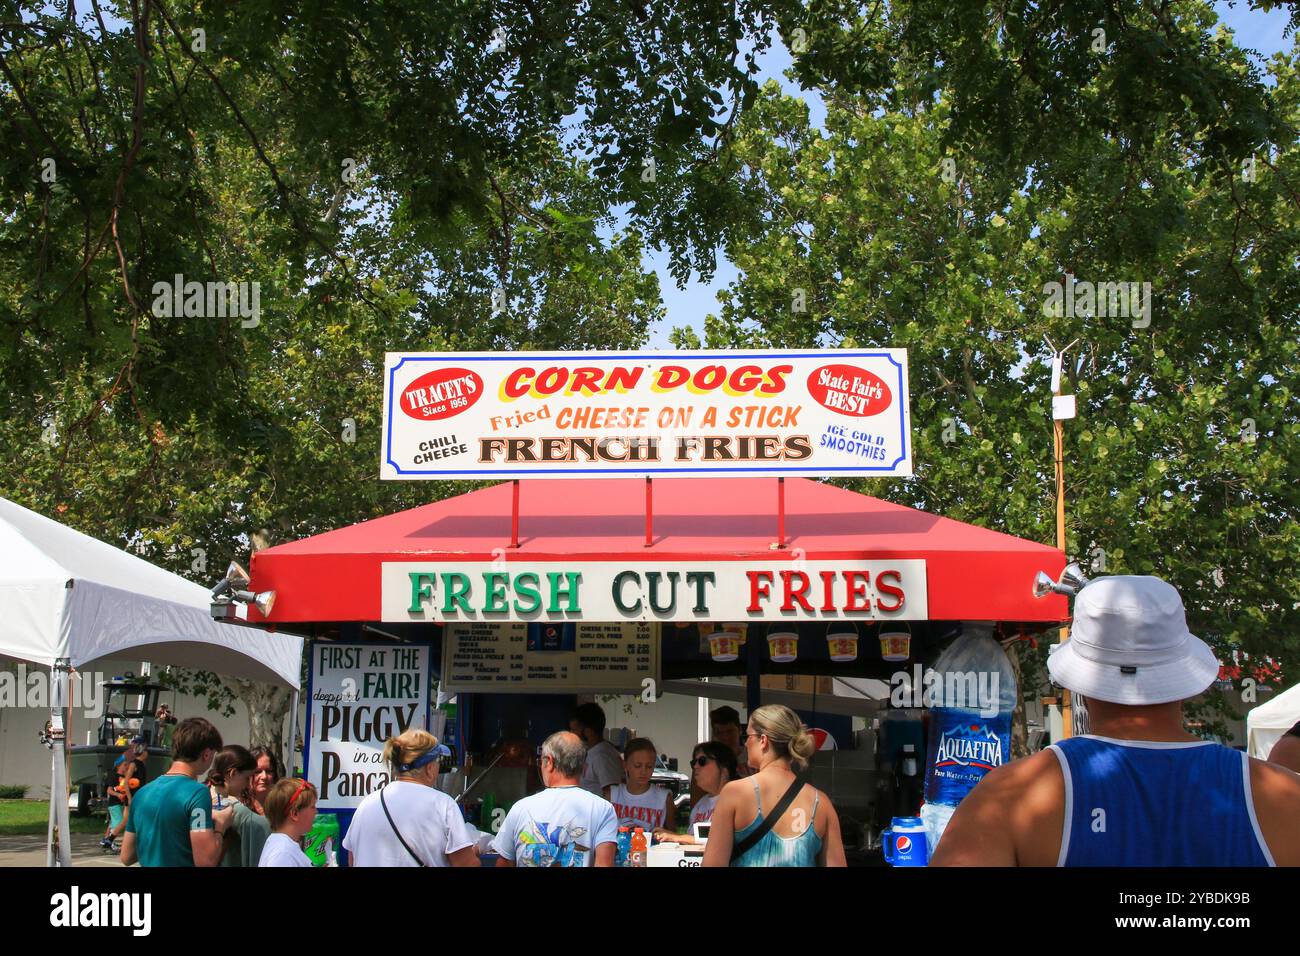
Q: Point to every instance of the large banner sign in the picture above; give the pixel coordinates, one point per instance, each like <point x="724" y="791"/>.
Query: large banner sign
<point x="360" y="695"/>
<point x="750" y="413"/>
<point x="601" y="591"/>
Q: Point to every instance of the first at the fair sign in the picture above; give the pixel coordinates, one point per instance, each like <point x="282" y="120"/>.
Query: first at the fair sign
<point x="813" y="414"/>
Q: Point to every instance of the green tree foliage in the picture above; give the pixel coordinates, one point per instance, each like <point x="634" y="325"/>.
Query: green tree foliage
<point x="191" y="437"/>
<point x="177" y="432"/>
<point x="383" y="170"/>
<point x="900" y="228"/>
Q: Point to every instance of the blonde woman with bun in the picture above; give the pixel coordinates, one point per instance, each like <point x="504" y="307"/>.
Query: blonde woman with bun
<point x="805" y="833"/>
<point x="409" y="822"/>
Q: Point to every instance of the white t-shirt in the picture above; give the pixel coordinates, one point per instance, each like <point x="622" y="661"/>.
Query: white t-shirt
<point x="645" y="810"/>
<point x="428" y="819"/>
<point x="282" y="850"/>
<point x="604" y="768"/>
<point x="560" y="826"/>
<point x="702" y="812"/>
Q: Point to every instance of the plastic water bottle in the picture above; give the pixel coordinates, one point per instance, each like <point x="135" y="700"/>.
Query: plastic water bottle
<point x="624" y="846"/>
<point x="970" y="732"/>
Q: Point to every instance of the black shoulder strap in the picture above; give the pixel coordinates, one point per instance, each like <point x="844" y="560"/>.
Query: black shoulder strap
<point x="383" y="803"/>
<point x="740" y="849"/>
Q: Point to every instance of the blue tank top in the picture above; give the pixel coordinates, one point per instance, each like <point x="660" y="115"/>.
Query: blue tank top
<point x="772" y="849"/>
<point x="1148" y="803"/>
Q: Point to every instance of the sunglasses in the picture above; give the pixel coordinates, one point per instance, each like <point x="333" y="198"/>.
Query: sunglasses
<point x="701" y="761"/>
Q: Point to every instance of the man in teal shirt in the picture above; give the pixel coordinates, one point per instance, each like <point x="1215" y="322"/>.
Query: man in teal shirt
<point x="171" y="821"/>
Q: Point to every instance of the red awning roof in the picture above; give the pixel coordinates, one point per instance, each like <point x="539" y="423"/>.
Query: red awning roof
<point x="972" y="573"/>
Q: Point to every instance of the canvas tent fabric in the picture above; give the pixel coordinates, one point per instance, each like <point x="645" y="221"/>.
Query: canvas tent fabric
<point x="64" y="594"/>
<point x="1266" y="723"/>
<point x="973" y="573"/>
<point x="68" y="597"/>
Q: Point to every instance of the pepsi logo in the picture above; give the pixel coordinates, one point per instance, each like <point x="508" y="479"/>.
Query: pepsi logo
<point x="904" y="844"/>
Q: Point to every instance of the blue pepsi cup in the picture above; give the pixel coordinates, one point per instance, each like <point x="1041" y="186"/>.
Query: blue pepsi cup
<point x="904" y="842"/>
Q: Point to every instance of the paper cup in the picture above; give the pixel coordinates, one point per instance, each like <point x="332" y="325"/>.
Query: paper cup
<point x="783" y="646"/>
<point x="895" y="646"/>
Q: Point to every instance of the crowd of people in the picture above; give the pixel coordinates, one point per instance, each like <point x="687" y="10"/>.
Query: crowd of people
<point x="217" y="805"/>
<point x="1130" y="656"/>
<point x="226" y="805"/>
<point x="590" y="791"/>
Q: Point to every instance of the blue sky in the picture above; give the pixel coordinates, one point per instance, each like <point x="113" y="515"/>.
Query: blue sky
<point x="1254" y="29"/>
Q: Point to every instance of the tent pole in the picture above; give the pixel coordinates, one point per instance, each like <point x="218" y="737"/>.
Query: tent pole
<point x="54" y="780"/>
<point x="293" y="733"/>
<point x="58" y="774"/>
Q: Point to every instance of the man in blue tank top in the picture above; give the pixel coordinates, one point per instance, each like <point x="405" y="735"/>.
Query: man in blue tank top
<point x="1139" y="790"/>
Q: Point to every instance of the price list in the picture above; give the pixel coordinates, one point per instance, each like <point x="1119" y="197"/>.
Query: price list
<point x="574" y="657"/>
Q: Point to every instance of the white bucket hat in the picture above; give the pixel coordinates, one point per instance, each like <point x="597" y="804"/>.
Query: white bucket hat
<point x="1129" y="644"/>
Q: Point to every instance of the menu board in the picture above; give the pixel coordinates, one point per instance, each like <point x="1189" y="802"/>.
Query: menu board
<point x="562" y="657"/>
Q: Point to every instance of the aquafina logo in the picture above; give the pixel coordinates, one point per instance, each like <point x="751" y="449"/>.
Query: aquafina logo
<point x="965" y="750"/>
<point x="969" y="745"/>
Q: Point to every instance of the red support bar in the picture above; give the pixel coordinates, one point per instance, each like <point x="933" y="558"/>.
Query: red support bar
<point x="780" y="512"/>
<point x="649" y="513"/>
<point x="514" y="513"/>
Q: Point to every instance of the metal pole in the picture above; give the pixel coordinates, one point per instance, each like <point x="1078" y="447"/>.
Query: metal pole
<point x="1058" y="442"/>
<point x="649" y="512"/>
<point x="702" y="729"/>
<point x="54" y="780"/>
<point x="58" y="823"/>
<point x="753" y="670"/>
<point x="293" y="734"/>
<point x="514" y="513"/>
<point x="780" y="512"/>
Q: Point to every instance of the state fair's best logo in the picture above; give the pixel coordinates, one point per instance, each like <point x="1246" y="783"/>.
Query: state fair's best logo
<point x="441" y="393"/>
<point x="850" y="390"/>
<point x="969" y="745"/>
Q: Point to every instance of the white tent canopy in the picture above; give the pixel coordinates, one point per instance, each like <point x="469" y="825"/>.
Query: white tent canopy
<point x="1266" y="723"/>
<point x="66" y="595"/>
<point x="68" y="600"/>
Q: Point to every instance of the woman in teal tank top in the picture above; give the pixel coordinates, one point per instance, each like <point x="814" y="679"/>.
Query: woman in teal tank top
<point x="778" y="746"/>
<point x="772" y="849"/>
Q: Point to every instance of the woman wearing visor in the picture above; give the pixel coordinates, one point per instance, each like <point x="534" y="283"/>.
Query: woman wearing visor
<point x="409" y="822"/>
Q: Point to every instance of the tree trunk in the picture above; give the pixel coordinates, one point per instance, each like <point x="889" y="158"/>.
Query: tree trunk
<point x="1019" y="722"/>
<point x="267" y="707"/>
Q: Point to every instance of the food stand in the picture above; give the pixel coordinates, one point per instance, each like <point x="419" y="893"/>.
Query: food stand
<point x="536" y="590"/>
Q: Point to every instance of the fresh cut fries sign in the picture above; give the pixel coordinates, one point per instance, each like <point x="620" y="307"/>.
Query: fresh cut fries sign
<point x="659" y="414"/>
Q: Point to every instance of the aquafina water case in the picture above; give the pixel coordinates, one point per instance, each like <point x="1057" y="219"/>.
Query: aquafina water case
<point x="970" y="728"/>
